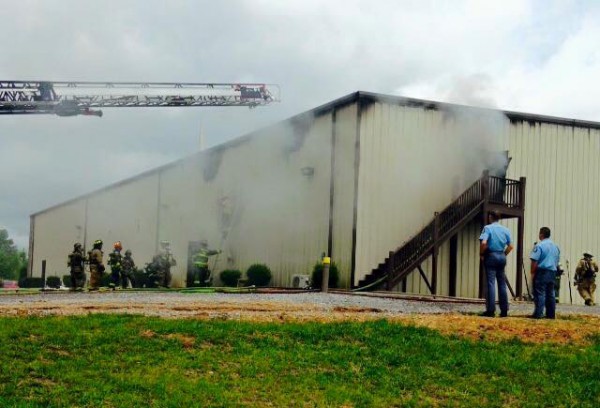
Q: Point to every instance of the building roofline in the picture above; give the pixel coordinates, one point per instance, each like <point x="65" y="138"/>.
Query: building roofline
<point x="512" y="115"/>
<point x="322" y="110"/>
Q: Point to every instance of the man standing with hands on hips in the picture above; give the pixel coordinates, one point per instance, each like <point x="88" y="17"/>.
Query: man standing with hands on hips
<point x="544" y="263"/>
<point x="495" y="245"/>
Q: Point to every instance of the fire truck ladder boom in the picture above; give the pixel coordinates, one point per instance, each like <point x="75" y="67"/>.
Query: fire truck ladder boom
<point x="83" y="98"/>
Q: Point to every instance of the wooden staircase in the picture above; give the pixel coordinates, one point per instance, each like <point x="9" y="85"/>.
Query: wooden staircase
<point x="487" y="194"/>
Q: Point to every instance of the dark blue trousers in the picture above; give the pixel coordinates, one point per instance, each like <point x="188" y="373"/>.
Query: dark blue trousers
<point x="543" y="293"/>
<point x="494" y="263"/>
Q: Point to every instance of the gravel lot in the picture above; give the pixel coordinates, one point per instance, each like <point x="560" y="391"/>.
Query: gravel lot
<point x="299" y="305"/>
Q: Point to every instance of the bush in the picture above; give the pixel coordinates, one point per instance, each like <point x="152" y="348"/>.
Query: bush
<point x="230" y="277"/>
<point x="316" y="279"/>
<point x="53" y="282"/>
<point x="141" y="279"/>
<point x="31" y="282"/>
<point x="105" y="280"/>
<point x="259" y="275"/>
<point x="66" y="280"/>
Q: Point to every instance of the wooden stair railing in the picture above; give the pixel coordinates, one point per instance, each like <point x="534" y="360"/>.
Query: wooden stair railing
<point x="488" y="190"/>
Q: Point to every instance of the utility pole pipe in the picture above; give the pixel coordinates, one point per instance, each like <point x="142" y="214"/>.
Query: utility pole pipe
<point x="325" y="283"/>
<point x="43" y="274"/>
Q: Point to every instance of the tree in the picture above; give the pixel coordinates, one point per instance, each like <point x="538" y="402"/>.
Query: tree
<point x="13" y="263"/>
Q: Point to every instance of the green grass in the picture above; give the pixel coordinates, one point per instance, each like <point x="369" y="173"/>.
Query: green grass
<point x="128" y="361"/>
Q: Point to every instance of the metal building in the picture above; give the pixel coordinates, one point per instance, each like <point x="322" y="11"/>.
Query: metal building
<point x="356" y="178"/>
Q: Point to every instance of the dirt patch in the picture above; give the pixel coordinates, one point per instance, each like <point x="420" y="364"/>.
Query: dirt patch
<point x="148" y="334"/>
<point x="560" y="331"/>
<point x="185" y="340"/>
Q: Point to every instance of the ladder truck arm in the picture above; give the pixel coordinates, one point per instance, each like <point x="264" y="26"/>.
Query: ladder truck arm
<point x="85" y="98"/>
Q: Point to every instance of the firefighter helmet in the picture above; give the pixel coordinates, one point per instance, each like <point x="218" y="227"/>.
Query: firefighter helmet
<point x="117" y="246"/>
<point x="98" y="243"/>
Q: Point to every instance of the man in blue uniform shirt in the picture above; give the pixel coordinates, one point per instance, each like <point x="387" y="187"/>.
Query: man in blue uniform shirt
<point x="495" y="245"/>
<point x="544" y="262"/>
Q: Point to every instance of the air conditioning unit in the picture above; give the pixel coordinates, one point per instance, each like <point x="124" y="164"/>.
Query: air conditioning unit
<point x="301" y="281"/>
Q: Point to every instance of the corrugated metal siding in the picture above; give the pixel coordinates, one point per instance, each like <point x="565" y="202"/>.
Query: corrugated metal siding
<point x="54" y="236"/>
<point x="561" y="164"/>
<point x="280" y="211"/>
<point x="343" y="202"/>
<point x="413" y="162"/>
<point x="126" y="213"/>
<point x="187" y="212"/>
<point x="283" y="214"/>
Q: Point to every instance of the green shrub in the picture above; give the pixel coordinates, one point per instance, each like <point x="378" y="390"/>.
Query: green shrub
<point x="105" y="280"/>
<point x="53" y="282"/>
<point x="317" y="275"/>
<point x="141" y="279"/>
<point x="259" y="275"/>
<point x="1" y="283"/>
<point x="31" y="282"/>
<point x="230" y="277"/>
<point x="66" y="279"/>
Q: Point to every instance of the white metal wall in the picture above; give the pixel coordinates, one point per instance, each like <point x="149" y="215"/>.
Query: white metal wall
<point x="413" y="162"/>
<point x="344" y="189"/>
<point x="562" y="166"/>
<point x="54" y="234"/>
<point x="276" y="190"/>
<point x="127" y="213"/>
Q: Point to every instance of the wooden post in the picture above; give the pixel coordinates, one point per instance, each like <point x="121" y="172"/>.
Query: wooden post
<point x="390" y="271"/>
<point x="520" y="239"/>
<point x="434" y="253"/>
<point x="453" y="265"/>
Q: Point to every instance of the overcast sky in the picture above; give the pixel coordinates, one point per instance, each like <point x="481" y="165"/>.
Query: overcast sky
<point x="532" y="56"/>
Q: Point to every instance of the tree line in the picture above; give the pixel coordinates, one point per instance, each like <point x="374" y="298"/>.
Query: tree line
<point x="13" y="262"/>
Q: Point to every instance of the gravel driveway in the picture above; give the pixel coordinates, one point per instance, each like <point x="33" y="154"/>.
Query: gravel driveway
<point x="299" y="305"/>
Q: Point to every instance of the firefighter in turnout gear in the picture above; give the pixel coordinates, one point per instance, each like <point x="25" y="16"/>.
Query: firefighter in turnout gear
<point x="128" y="269"/>
<point x="585" y="278"/>
<point x="162" y="263"/>
<point x="76" y="264"/>
<point x="96" y="265"/>
<point x="200" y="275"/>
<point x="114" y="260"/>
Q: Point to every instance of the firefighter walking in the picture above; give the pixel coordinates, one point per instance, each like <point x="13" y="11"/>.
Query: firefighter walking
<point x="128" y="269"/>
<point x="76" y="265"/>
<point x="585" y="278"/>
<point x="114" y="260"/>
<point x="200" y="273"/>
<point x="96" y="265"/>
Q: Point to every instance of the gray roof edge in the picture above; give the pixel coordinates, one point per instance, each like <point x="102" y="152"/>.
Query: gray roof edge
<point x="513" y="115"/>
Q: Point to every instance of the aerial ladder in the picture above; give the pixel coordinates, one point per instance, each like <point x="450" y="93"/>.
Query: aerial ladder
<point x="87" y="98"/>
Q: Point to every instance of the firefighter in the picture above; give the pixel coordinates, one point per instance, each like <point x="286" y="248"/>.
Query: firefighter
<point x="128" y="269"/>
<point x="585" y="278"/>
<point x="96" y="265"/>
<point x="76" y="264"/>
<point x="162" y="263"/>
<point x="114" y="260"/>
<point x="200" y="273"/>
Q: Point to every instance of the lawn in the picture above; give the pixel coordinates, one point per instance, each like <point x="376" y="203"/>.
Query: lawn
<point x="128" y="361"/>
